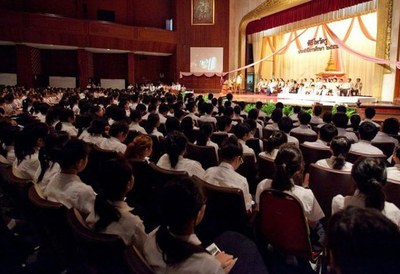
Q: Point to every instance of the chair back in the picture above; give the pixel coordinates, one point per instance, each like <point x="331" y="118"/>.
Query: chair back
<point x="135" y="261"/>
<point x="392" y="192"/>
<point x="16" y="187"/>
<point x="218" y="137"/>
<point x="304" y="137"/>
<point x="254" y="143"/>
<point x="266" y="168"/>
<point x="211" y="124"/>
<point x="205" y="155"/>
<point x="282" y="223"/>
<point x="352" y="157"/>
<point x="249" y="170"/>
<point x="102" y="252"/>
<point x="386" y="147"/>
<point x="267" y="133"/>
<point x="225" y="211"/>
<point x="313" y="154"/>
<point x="326" y="183"/>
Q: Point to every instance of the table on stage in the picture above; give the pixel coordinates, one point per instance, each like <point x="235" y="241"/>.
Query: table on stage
<point x="293" y="98"/>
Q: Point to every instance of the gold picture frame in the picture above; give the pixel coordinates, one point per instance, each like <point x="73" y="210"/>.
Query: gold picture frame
<point x="203" y="12"/>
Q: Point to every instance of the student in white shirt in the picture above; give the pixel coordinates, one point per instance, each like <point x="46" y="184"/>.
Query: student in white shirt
<point x="8" y="134"/>
<point x="367" y="132"/>
<point x="393" y="173"/>
<point x="174" y="247"/>
<point x="316" y="119"/>
<point x="118" y="133"/>
<point x="340" y="146"/>
<point x="66" y="187"/>
<point x="340" y="120"/>
<point x="112" y="215"/>
<point x="304" y="128"/>
<point x="276" y="116"/>
<point x="325" y="136"/>
<point x="242" y="132"/>
<point x="370" y="177"/>
<point x="369" y="115"/>
<point x="286" y="125"/>
<point x="191" y="107"/>
<point x="67" y="118"/>
<point x="390" y="127"/>
<point x="152" y="124"/>
<point x="27" y="145"/>
<point x="203" y="138"/>
<point x="208" y="109"/>
<point x="253" y="115"/>
<point x="136" y="117"/>
<point x="275" y="140"/>
<point x="175" y="146"/>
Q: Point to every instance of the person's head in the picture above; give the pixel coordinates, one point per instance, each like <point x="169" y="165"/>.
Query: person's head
<point x="228" y="112"/>
<point x="340" y="146"/>
<point x="363" y="240"/>
<point x="317" y="110"/>
<point x="327" y="117"/>
<point x="369" y="112"/>
<point x="296" y="109"/>
<point x="304" y="118"/>
<point x="237" y="109"/>
<point x="187" y="124"/>
<point x="253" y="114"/>
<point x="208" y="108"/>
<point x="229" y="96"/>
<point x="172" y="124"/>
<point x="341" y="108"/>
<point x="327" y="132"/>
<point x="175" y="146"/>
<point x="153" y="121"/>
<point x="259" y="105"/>
<point x="340" y="120"/>
<point x="285" y="124"/>
<point x="163" y="109"/>
<point x="252" y="124"/>
<point x="119" y="130"/>
<point x="279" y="105"/>
<point x="367" y="131"/>
<point x="30" y="139"/>
<point x="182" y="207"/>
<point x="232" y="151"/>
<point x="73" y="156"/>
<point x="140" y="147"/>
<point x="116" y="181"/>
<point x="276" y="115"/>
<point x="97" y="127"/>
<point x="370" y="177"/>
<point x="288" y="162"/>
<point x="275" y="140"/>
<point x="355" y="121"/>
<point x="391" y="126"/>
<point x="242" y="131"/>
<point x="224" y="123"/>
<point x="191" y="107"/>
<point x="204" y="135"/>
<point x="135" y="116"/>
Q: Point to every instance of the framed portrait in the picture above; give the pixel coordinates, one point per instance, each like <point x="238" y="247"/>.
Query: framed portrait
<point x="203" y="12"/>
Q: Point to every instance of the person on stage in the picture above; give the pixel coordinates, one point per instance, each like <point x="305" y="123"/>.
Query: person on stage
<point x="357" y="87"/>
<point x="346" y="88"/>
<point x="238" y="82"/>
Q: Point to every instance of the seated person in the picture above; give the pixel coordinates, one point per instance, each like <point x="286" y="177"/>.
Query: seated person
<point x="326" y="119"/>
<point x="118" y="133"/>
<point x="253" y="115"/>
<point x="304" y="128"/>
<point x="112" y="215"/>
<point x="203" y="139"/>
<point x="187" y="127"/>
<point x="276" y="116"/>
<point x="95" y="133"/>
<point x="27" y="145"/>
<point x="340" y="146"/>
<point x="224" y="125"/>
<point x="66" y="187"/>
<point x="8" y="134"/>
<point x="393" y="173"/>
<point x="316" y="119"/>
<point x="274" y="142"/>
<point x="340" y="120"/>
<point x="370" y="177"/>
<point x="355" y="121"/>
<point x="172" y="124"/>
<point x="362" y="240"/>
<point x="175" y="146"/>
<point x="191" y="107"/>
<point x="242" y="132"/>
<point x="140" y="148"/>
<point x="390" y="127"/>
<point x="325" y="136"/>
<point x="367" y="132"/>
<point x="67" y="118"/>
<point x="136" y="117"/>
<point x="286" y="125"/>
<point x="225" y="174"/>
<point x="261" y="113"/>
<point x="369" y="115"/>
<point x="208" y="110"/>
<point x="295" y="115"/>
<point x="152" y="124"/>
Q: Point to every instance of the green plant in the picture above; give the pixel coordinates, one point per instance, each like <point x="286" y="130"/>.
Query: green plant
<point x="287" y="110"/>
<point x="349" y="112"/>
<point x="249" y="107"/>
<point x="268" y="108"/>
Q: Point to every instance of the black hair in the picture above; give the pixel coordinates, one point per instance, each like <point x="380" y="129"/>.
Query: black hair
<point x="207" y="108"/>
<point x="367" y="131"/>
<point x="115" y="175"/>
<point x="355" y="121"/>
<point x="163" y="108"/>
<point x="26" y="140"/>
<point x="141" y="108"/>
<point x="275" y="140"/>
<point x="223" y="122"/>
<point x="285" y="124"/>
<point x="229" y="96"/>
<point x="279" y="105"/>
<point x="230" y="148"/>
<point x="205" y="132"/>
<point x="253" y="114"/>
<point x="276" y="115"/>
<point x="65" y="116"/>
<point x="340" y="146"/>
<point x="370" y="177"/>
<point x="237" y="109"/>
<point x="296" y="109"/>
<point x="70" y="153"/>
<point x="327" y="117"/>
<point x="288" y="161"/>
<point x="241" y="130"/>
<point x="118" y="127"/>
<point x="317" y="110"/>
<point x="259" y="105"/>
<point x="227" y="104"/>
<point x="341" y="108"/>
<point x="152" y="120"/>
<point x="369" y="112"/>
<point x="251" y="123"/>
<point x="190" y="106"/>
<point x="135" y="116"/>
<point x="172" y="124"/>
<point x="391" y="126"/>
<point x="340" y="119"/>
<point x="228" y="111"/>
<point x="97" y="127"/>
<point x="175" y="144"/>
<point x="362" y="241"/>
<point x="327" y="132"/>
<point x="304" y="118"/>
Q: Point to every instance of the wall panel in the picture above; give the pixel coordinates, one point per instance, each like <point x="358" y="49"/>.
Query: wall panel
<point x="110" y="66"/>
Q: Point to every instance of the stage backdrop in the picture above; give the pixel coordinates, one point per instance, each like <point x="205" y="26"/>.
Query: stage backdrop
<point x="310" y="53"/>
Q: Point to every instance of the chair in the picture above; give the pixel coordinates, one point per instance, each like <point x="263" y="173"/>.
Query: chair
<point x="352" y="157"/>
<point x="266" y="168"/>
<point x="249" y="170"/>
<point x="254" y="143"/>
<point x="313" y="154"/>
<point x="206" y="155"/>
<point x="225" y="211"/>
<point x="304" y="137"/>
<point x="267" y="133"/>
<point x="326" y="183"/>
<point x="158" y="148"/>
<point x="281" y="223"/>
<point x="103" y="253"/>
<point x="136" y="262"/>
<point x="392" y="192"/>
<point x="218" y="137"/>
<point x="386" y="147"/>
<point x="16" y="187"/>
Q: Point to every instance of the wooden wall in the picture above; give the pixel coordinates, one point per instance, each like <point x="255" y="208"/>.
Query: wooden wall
<point x="59" y="62"/>
<point x="8" y="57"/>
<point x="110" y="66"/>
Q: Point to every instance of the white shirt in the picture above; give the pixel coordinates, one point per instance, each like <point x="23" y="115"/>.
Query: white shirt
<point x="184" y="164"/>
<point x="393" y="173"/>
<point x="303" y="129"/>
<point x="293" y="140"/>
<point x="316" y="120"/>
<point x="52" y="171"/>
<point x="156" y="133"/>
<point x="350" y="135"/>
<point x="358" y="199"/>
<point x="28" y="166"/>
<point x="317" y="144"/>
<point x="129" y="227"/>
<point x="382" y="137"/>
<point x="273" y="126"/>
<point x="136" y="127"/>
<point x="312" y="209"/>
<point x="246" y="148"/>
<point x="113" y="144"/>
<point x="270" y="155"/>
<point x="94" y="139"/>
<point x="69" y="190"/>
<point x="224" y="175"/>
<point x="70" y="128"/>
<point x="198" y="263"/>
<point x="369" y="120"/>
<point x="193" y="116"/>
<point x="365" y="147"/>
<point x="328" y="164"/>
<point x="208" y="119"/>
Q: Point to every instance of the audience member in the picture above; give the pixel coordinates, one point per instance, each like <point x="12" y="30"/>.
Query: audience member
<point x="316" y="119"/>
<point x="140" y="148"/>
<point x="393" y="173"/>
<point x="325" y="136"/>
<point x="367" y="132"/>
<point x="390" y="127"/>
<point x="136" y="117"/>
<point x="304" y="128"/>
<point x="369" y="113"/>
<point x="286" y="125"/>
<point x="274" y="142"/>
<point x="276" y="116"/>
<point x="118" y="133"/>
<point x="339" y="146"/>
<point x="340" y="120"/>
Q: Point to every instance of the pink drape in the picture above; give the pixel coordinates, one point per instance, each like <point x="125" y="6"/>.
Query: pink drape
<point x="364" y="29"/>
